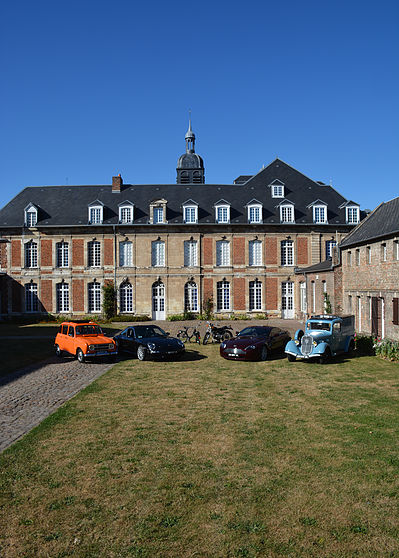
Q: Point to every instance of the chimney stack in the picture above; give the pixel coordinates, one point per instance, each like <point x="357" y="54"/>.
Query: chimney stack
<point x="117" y="183"/>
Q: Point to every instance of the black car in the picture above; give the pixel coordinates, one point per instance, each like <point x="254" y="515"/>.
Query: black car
<point x="255" y="343"/>
<point x="148" y="341"/>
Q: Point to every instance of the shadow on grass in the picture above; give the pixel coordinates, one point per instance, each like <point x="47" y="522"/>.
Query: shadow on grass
<point x="189" y="356"/>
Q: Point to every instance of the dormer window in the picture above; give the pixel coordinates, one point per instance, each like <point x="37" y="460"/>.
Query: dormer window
<point x="287" y="213"/>
<point x="158" y="212"/>
<point x="222" y="212"/>
<point x="352" y="215"/>
<point x="277" y="189"/>
<point x="254" y="212"/>
<point x="31" y="216"/>
<point x="96" y="213"/>
<point x="158" y="215"/>
<point x="190" y="212"/>
<point x="319" y="209"/>
<point x="126" y="213"/>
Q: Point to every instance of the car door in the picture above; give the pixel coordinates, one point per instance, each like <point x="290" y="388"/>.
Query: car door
<point x="131" y="340"/>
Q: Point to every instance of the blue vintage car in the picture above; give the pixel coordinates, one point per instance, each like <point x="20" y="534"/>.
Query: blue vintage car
<point x="325" y="336"/>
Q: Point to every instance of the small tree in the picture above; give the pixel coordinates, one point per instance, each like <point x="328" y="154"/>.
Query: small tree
<point x="327" y="303"/>
<point x="208" y="308"/>
<point x="109" y="303"/>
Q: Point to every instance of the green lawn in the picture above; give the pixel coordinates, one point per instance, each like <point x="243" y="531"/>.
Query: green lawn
<point x="208" y="458"/>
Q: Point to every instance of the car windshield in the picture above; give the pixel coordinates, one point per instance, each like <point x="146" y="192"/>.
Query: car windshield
<point x="88" y="329"/>
<point x="254" y="332"/>
<point x="148" y="331"/>
<point x="321" y="326"/>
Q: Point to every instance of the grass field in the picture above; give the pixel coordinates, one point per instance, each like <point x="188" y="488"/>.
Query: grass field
<point x="208" y="458"/>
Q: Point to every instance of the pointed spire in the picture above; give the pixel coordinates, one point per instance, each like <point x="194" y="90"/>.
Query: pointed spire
<point x="190" y="136"/>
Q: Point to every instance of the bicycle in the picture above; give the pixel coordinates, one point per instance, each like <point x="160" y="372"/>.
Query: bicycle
<point x="185" y="335"/>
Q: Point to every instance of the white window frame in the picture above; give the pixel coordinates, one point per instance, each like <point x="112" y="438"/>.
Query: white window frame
<point x="255" y="296"/>
<point x="94" y="253"/>
<point x="126" y="214"/>
<point x="62" y="297"/>
<point x="95" y="214"/>
<point x="384" y="252"/>
<point x="190" y="213"/>
<point x="255" y="248"/>
<point x="126" y="253"/>
<point x="222" y="253"/>
<point x="287" y="253"/>
<point x="255" y="213"/>
<point x="94" y="297"/>
<point x="303" y="297"/>
<point x="222" y="214"/>
<point x="330" y="245"/>
<point x="62" y="254"/>
<point x="191" y="297"/>
<point x="190" y="253"/>
<point x="223" y="299"/>
<point x="277" y="190"/>
<point x="158" y="253"/>
<point x="352" y="214"/>
<point x="318" y="208"/>
<point x="31" y="297"/>
<point x="290" y="213"/>
<point x="31" y="216"/>
<point x="158" y="214"/>
<point x="31" y="255"/>
<point x="126" y="298"/>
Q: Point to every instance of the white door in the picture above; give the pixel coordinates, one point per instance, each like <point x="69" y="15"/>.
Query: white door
<point x="287" y="300"/>
<point x="158" y="301"/>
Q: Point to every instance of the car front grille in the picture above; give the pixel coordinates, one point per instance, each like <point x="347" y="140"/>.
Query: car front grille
<point x="102" y="347"/>
<point x="306" y="344"/>
<point x="234" y="352"/>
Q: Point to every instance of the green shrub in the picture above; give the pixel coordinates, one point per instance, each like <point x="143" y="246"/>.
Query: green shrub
<point x="365" y="344"/>
<point x="131" y="318"/>
<point x="261" y="316"/>
<point x="387" y="349"/>
<point x="239" y="317"/>
<point x="109" y="302"/>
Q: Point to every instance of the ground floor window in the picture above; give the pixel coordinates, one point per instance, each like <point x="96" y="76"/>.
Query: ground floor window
<point x="223" y="296"/>
<point x="255" y="295"/>
<point x="94" y="292"/>
<point x="62" y="293"/>
<point x="126" y="297"/>
<point x="191" y="297"/>
<point x="31" y="299"/>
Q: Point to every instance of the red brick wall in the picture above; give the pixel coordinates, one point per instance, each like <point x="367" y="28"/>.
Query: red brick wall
<point x="208" y="288"/>
<point x="108" y="251"/>
<point x="271" y="251"/>
<point x="302" y="251"/>
<point x="271" y="293"/>
<point x="77" y="251"/>
<point x="46" y="295"/>
<point x="239" y="293"/>
<point x="3" y="254"/>
<point x="78" y="302"/>
<point x="238" y="250"/>
<point x="208" y="256"/>
<point x="46" y="252"/>
<point x="16" y="253"/>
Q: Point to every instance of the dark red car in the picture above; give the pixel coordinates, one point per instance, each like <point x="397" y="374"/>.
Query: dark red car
<point x="255" y="343"/>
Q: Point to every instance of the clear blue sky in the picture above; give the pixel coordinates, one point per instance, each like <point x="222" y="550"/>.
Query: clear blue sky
<point x="93" y="88"/>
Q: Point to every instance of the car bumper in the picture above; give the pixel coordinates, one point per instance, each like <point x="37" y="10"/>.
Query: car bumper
<point x="100" y="354"/>
<point x="304" y="357"/>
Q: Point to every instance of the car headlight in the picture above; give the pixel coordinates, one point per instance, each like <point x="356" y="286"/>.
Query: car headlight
<point x="111" y="346"/>
<point x="151" y="346"/>
<point x="180" y="343"/>
<point x="314" y="343"/>
<point x="251" y="347"/>
<point x="223" y="345"/>
<point x="91" y="347"/>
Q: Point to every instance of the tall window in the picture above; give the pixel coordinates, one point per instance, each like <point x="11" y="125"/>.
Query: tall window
<point x="126" y="297"/>
<point x="62" y="252"/>
<point x="94" y="291"/>
<point x="125" y="254"/>
<point x="222" y="214"/>
<point x="330" y="245"/>
<point x="222" y="252"/>
<point x="223" y="295"/>
<point x="255" y="213"/>
<point x="158" y="215"/>
<point x="319" y="214"/>
<point x="384" y="252"/>
<point x="255" y="295"/>
<point x="31" y="300"/>
<point x="349" y="258"/>
<point x="158" y="253"/>
<point x="62" y="292"/>
<point x="287" y="214"/>
<point x="126" y="214"/>
<point x="31" y="254"/>
<point x="368" y="252"/>
<point x="255" y="252"/>
<point x="303" y="296"/>
<point x="191" y="297"/>
<point x="357" y="256"/>
<point x="190" y="214"/>
<point x="396" y="250"/>
<point x="190" y="253"/>
<point x="287" y="252"/>
<point x="31" y="217"/>
<point x="94" y="253"/>
<point x="95" y="215"/>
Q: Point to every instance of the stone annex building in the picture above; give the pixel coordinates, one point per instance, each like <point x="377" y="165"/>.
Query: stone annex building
<point x="170" y="248"/>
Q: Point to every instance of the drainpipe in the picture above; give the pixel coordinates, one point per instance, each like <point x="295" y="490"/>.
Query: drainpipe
<point x="114" y="229"/>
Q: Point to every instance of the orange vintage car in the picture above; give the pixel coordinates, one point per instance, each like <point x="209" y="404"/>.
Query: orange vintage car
<point x="83" y="340"/>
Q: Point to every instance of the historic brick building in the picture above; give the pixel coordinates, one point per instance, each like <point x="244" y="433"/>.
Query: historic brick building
<point x="370" y="272"/>
<point x="170" y="248"/>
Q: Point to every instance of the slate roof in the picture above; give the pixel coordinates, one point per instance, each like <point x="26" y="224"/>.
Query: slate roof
<point x="382" y="222"/>
<point x="68" y="205"/>
<point x="325" y="265"/>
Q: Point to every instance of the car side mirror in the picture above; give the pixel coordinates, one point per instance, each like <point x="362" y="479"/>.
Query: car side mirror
<point x="167" y="332"/>
<point x="237" y="332"/>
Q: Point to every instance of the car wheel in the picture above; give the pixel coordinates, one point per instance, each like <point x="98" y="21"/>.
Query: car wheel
<point x="206" y="338"/>
<point x="141" y="353"/>
<point x="58" y="351"/>
<point x="291" y="358"/>
<point x="80" y="356"/>
<point x="264" y="353"/>
<point x="325" y="357"/>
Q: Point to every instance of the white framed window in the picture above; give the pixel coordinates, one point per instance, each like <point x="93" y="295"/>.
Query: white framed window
<point x="62" y="254"/>
<point x="94" y="253"/>
<point x="319" y="214"/>
<point x="62" y="297"/>
<point x="125" y="253"/>
<point x="158" y="253"/>
<point x="31" y="298"/>
<point x="287" y="213"/>
<point x="287" y="252"/>
<point x="330" y="245"/>
<point x="255" y="295"/>
<point x="255" y="213"/>
<point x="222" y="213"/>
<point x="190" y="214"/>
<point x="31" y="254"/>
<point x="313" y="297"/>
<point x="368" y="252"/>
<point x="222" y="252"/>
<point x="223" y="296"/>
<point x="396" y="250"/>
<point x="255" y="252"/>
<point x="357" y="256"/>
<point x="190" y="253"/>
<point x="126" y="297"/>
<point x="277" y="189"/>
<point x="126" y="214"/>
<point x="94" y="297"/>
<point x="302" y="290"/>
<point x="95" y="214"/>
<point x="191" y="297"/>
<point x="158" y="215"/>
<point x="31" y="216"/>
<point x="349" y="258"/>
<point x="384" y="252"/>
<point x="352" y="215"/>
